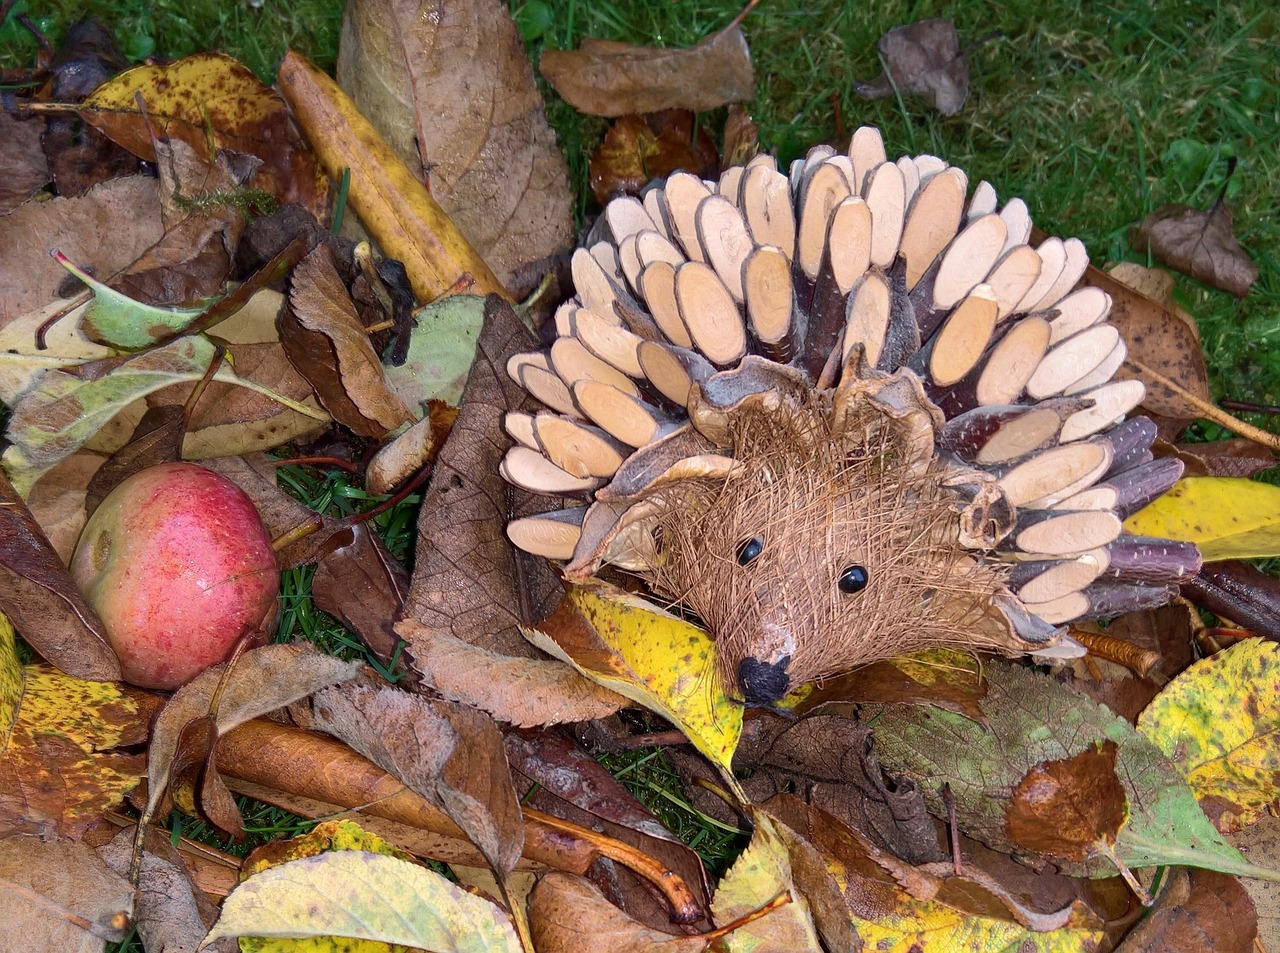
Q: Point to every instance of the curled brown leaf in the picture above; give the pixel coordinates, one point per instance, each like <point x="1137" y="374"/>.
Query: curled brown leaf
<point x="1200" y="244"/>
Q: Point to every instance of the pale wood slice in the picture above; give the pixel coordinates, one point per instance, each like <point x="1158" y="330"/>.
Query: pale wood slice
<point x="983" y="202"/>
<point x="885" y="192"/>
<point x="519" y="427"/>
<point x="1102" y="373"/>
<point x="1071" y="360"/>
<point x="626" y="216"/>
<point x="658" y="286"/>
<point x="532" y="471"/>
<point x="682" y="196"/>
<point x="813" y="161"/>
<point x="629" y="261"/>
<point x="573" y="362"/>
<point x="932" y="222"/>
<point x="1063" y="609"/>
<point x="766" y="278"/>
<point x="730" y="185"/>
<point x="845" y="165"/>
<point x="611" y="343"/>
<point x="826" y="189"/>
<point x="999" y="434"/>
<point x="1046" y="581"/>
<point x="1052" y="475"/>
<point x="673" y="371"/>
<point x="606" y="255"/>
<point x="578" y="448"/>
<point x="655" y="204"/>
<point x="517" y="362"/>
<point x="1150" y="561"/>
<point x="929" y="166"/>
<point x="762" y="159"/>
<point x="710" y="314"/>
<point x="1017" y="220"/>
<point x="766" y="205"/>
<point x="594" y="287"/>
<point x="1013" y="277"/>
<point x="550" y="535"/>
<point x="866" y="151"/>
<point x="1081" y="309"/>
<point x="968" y="260"/>
<point x="1073" y="268"/>
<point x="795" y="175"/>
<point x="632" y="421"/>
<point x="1082" y="483"/>
<point x="868" y="316"/>
<point x="1065" y="532"/>
<point x="1110" y="403"/>
<point x="654" y="246"/>
<point x="725" y="240"/>
<point x="963" y="338"/>
<point x="547" y="387"/>
<point x="910" y="178"/>
<point x="849" y="242"/>
<point x="1053" y="255"/>
<point x="1012" y="361"/>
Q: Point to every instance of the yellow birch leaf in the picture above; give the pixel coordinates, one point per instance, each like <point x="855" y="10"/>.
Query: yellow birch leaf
<point x="1219" y="722"/>
<point x="11" y="678"/>
<point x="1227" y="517"/>
<point x="650" y="656"/>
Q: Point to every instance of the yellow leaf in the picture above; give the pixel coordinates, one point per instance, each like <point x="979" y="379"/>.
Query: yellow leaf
<point x="11" y="677"/>
<point x="652" y="657"/>
<point x="1227" y="517"/>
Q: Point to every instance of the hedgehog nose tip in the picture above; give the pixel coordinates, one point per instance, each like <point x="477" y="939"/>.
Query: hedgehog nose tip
<point x="764" y="683"/>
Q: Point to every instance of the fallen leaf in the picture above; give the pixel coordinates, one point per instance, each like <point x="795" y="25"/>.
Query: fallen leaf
<point x="1198" y="910"/>
<point x="1156" y="284"/>
<point x="1236" y="457"/>
<point x="638" y="149"/>
<point x="605" y="78"/>
<point x="115" y="320"/>
<point x="22" y="360"/>
<point x="741" y="137"/>
<point x="442" y="348"/>
<point x="494" y="165"/>
<point x="1226" y="517"/>
<point x="365" y="896"/>
<point x="158" y="439"/>
<point x="12" y="677"/>
<point x="1240" y="592"/>
<point x="59" y="501"/>
<point x="26" y="169"/>
<point x="942" y="677"/>
<point x="923" y="59"/>
<point x="568" y="914"/>
<point x="1219" y="722"/>
<point x="1200" y="244"/>
<point x="1261" y="842"/>
<point x="59" y="896"/>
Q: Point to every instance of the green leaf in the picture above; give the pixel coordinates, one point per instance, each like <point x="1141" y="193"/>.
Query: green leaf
<point x="441" y="350"/>
<point x="367" y="897"/>
<point x="1227" y="517"/>
<point x="1219" y="722"/>
<point x="116" y="319"/>
<point x="1034" y="719"/>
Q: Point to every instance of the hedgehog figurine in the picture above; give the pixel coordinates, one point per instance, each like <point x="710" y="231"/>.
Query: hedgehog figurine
<point x="841" y="415"/>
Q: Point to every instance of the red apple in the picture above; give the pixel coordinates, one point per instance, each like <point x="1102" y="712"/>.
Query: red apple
<point x="178" y="565"/>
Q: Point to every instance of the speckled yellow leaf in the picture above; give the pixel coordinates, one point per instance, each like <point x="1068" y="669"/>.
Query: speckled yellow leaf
<point x="654" y="658"/>
<point x="1219" y="722"/>
<point x="1227" y="517"/>
<point x="929" y="927"/>
<point x="10" y="681"/>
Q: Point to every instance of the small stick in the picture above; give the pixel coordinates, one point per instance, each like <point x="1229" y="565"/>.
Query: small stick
<point x="1138" y="660"/>
<point x="1209" y="411"/>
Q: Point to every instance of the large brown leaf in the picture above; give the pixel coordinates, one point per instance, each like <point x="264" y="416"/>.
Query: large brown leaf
<point x="23" y="161"/>
<point x="1199" y="910"/>
<point x="449" y="85"/>
<point x="1200" y="244"/>
<point x="568" y="914"/>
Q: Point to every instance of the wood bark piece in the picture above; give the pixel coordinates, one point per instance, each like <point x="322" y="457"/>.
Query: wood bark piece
<point x="1013" y="277"/>
<point x="1001" y="433"/>
<point x="1072" y="360"/>
<point x="628" y="419"/>
<point x="710" y="314"/>
<point x="866" y="151"/>
<point x="932" y="222"/>
<point x="1239" y="592"/>
<point x="963" y="337"/>
<point x="531" y="470"/>
<point x="766" y="205"/>
<point x="723" y="234"/>
<point x="868" y="318"/>
<point x="682" y="195"/>
<point x="552" y="535"/>
<point x="612" y="344"/>
<point x="1079" y="310"/>
<point x="968" y="260"/>
<point x="886" y="195"/>
<point x="1131" y="442"/>
<point x="1127" y="492"/>
<point x="1148" y="561"/>
<point x="658" y="286"/>
<point x="572" y="362"/>
<point x="827" y="189"/>
<point x="849" y="242"/>
<point x="1104" y="598"/>
<point x="577" y="448"/>
<point x="770" y="301"/>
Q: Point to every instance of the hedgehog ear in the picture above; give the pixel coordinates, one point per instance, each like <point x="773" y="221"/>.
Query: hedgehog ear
<point x="616" y="535"/>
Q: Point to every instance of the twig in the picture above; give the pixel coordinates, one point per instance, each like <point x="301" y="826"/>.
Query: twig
<point x="1209" y="411"/>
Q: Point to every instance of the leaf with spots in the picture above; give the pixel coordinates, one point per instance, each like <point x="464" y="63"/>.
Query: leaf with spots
<point x="1219" y="722"/>
<point x="1227" y="517"/>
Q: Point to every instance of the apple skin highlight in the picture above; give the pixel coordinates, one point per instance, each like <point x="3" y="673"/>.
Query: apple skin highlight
<point x="178" y="565"/>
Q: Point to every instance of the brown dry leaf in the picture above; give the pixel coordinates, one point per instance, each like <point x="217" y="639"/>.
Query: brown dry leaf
<point x="1071" y="808"/>
<point x="211" y="100"/>
<point x="948" y="679"/>
<point x="59" y="896"/>
<point x="1198" y="910"/>
<point x="638" y="149"/>
<point x="59" y="501"/>
<point x="1156" y="284"/>
<point x="923" y="59"/>
<point x="568" y="914"/>
<point x="1197" y="243"/>
<point x="157" y="439"/>
<point x="493" y="165"/>
<point x="1236" y="457"/>
<point x="451" y="755"/>
<point x="37" y="594"/>
<point x="327" y="344"/>
<point x="606" y="78"/>
<point x="1261" y="844"/>
<point x="414" y="449"/>
<point x="26" y="170"/>
<point x="127" y="209"/>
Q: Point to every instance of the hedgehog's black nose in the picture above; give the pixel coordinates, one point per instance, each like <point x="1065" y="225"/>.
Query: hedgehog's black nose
<point x="763" y="683"/>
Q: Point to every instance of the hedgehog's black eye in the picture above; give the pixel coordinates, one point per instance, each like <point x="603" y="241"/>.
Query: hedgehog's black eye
<point x="853" y="579"/>
<point x="749" y="549"/>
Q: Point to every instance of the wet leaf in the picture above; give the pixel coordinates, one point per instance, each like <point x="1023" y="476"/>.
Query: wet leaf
<point x="1262" y="843"/>
<point x="26" y="169"/>
<point x="923" y="59"/>
<point x="606" y="78"/>
<point x="568" y="914"/>
<point x="361" y="584"/>
<point x="1072" y="807"/>
<point x="1219" y="722"/>
<point x="1198" y="910"/>
<point x="442" y="347"/>
<point x="1227" y="517"/>
<point x="365" y="896"/>
<point x="493" y="166"/>
<point x="116" y="320"/>
<point x="1200" y="244"/>
<point x="638" y="149"/>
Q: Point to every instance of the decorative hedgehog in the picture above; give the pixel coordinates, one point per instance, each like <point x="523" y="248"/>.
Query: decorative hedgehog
<point x="842" y="415"/>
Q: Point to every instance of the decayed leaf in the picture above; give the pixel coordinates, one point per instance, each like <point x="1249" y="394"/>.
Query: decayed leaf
<point x="211" y="100"/>
<point x="22" y="360"/>
<point x="605" y="78"/>
<point x="924" y="59"/>
<point x="60" y="896"/>
<point x="414" y="449"/>
<point x="940" y="677"/>
<point x="1235" y="457"/>
<point x="568" y="914"/>
<point x="1156" y="284"/>
<point x="442" y="347"/>
<point x="127" y="209"/>
<point x="1262" y="843"/>
<point x="1227" y="517"/>
<point x="22" y="158"/>
<point x="115" y="320"/>
<point x="1198" y="910"/>
<point x="1219" y="722"/>
<point x="366" y="896"/>
<point x="493" y="166"/>
<point x="1033" y="720"/>
<point x="1200" y="244"/>
<point x="638" y="149"/>
<point x="650" y="656"/>
<point x="328" y="345"/>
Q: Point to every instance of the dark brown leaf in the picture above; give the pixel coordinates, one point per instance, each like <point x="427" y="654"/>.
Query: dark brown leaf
<point x="956" y="685"/>
<point x="1072" y="808"/>
<point x="26" y="170"/>
<point x="1232" y="458"/>
<point x="638" y="149"/>
<point x="924" y="59"/>
<point x="1199" y="910"/>
<point x="1200" y="244"/>
<point x="605" y="78"/>
<point x="157" y="439"/>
